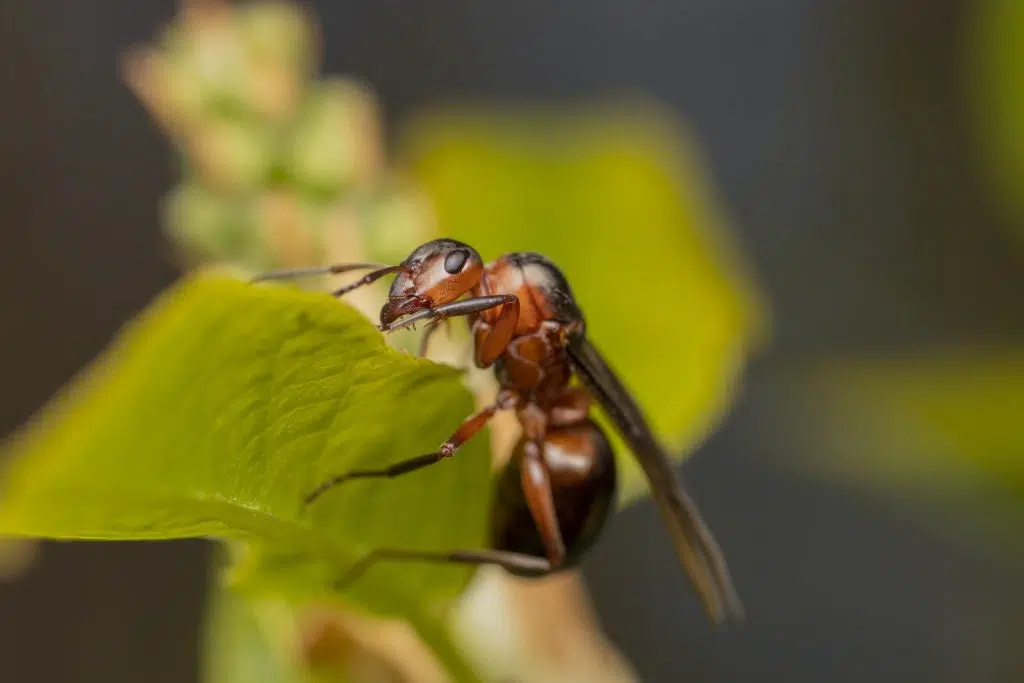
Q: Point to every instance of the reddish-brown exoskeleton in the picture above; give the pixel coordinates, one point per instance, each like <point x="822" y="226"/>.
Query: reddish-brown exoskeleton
<point x="558" y="488"/>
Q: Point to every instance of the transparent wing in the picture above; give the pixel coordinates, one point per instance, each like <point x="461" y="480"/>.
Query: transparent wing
<point x="691" y="537"/>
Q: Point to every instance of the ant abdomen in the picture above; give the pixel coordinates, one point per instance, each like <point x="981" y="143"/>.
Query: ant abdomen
<point x="581" y="465"/>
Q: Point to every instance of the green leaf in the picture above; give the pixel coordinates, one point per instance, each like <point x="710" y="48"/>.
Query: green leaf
<point x="619" y="201"/>
<point x="220" y="406"/>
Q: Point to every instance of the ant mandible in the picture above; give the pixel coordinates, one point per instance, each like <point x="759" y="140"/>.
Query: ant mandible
<point x="556" y="491"/>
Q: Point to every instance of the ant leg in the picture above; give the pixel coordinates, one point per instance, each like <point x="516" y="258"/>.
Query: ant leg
<point x="492" y="340"/>
<point x="469" y="427"/>
<point x="509" y="561"/>
<point x="536" y="482"/>
<point x="294" y="273"/>
<point x="477" y="304"/>
<point x="427" y="334"/>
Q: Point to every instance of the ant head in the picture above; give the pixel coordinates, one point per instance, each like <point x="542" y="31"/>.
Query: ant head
<point x="437" y="273"/>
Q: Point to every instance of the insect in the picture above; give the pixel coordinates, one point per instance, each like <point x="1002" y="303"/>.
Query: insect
<point x="557" y="490"/>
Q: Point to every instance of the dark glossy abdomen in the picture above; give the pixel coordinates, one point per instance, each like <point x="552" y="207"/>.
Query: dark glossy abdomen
<point x="583" y="477"/>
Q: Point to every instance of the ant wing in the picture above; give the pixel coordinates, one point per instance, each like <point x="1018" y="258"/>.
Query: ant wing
<point x="693" y="541"/>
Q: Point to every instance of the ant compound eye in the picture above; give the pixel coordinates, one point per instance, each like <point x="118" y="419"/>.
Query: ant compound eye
<point x="455" y="260"/>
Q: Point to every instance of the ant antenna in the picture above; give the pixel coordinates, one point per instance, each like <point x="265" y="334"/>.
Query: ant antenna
<point x="370" y="277"/>
<point x="335" y="269"/>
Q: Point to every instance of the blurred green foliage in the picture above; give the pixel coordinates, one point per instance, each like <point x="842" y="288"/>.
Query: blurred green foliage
<point x="931" y="425"/>
<point x="241" y="643"/>
<point x="216" y="411"/>
<point x="995" y="76"/>
<point x="943" y="424"/>
<point x="617" y="197"/>
<point x="273" y="158"/>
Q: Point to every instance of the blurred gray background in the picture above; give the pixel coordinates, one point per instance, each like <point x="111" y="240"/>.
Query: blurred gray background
<point x="836" y="133"/>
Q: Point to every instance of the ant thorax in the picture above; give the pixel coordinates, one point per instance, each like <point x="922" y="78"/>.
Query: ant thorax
<point x="542" y="290"/>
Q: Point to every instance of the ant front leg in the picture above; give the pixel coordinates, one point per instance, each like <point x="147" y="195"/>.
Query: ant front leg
<point x="429" y="332"/>
<point x="489" y="341"/>
<point x="492" y="340"/>
<point x="477" y="304"/>
<point x="467" y="430"/>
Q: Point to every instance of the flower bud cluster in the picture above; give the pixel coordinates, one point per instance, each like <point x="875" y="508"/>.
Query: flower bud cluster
<point x="280" y="167"/>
